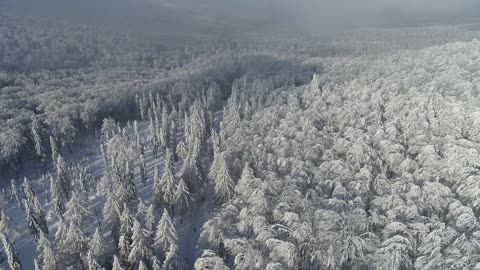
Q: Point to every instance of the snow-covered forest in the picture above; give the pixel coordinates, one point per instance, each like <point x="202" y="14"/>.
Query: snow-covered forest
<point x="341" y="150"/>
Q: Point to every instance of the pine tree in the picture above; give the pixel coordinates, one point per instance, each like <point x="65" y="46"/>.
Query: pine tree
<point x="125" y="241"/>
<point x="54" y="150"/>
<point x="6" y="228"/>
<point x="31" y="221"/>
<point x="223" y="183"/>
<point x="150" y="218"/>
<point x="36" y="209"/>
<point x="63" y="177"/>
<point x="37" y="138"/>
<point x="173" y="142"/>
<point x="36" y="266"/>
<point x="77" y="211"/>
<point x="74" y="245"/>
<point x="166" y="235"/>
<point x="12" y="254"/>
<point x="116" y="264"/>
<point x="56" y="196"/>
<point x="157" y="187"/>
<point x="92" y="262"/>
<point x="153" y="138"/>
<point x="61" y="233"/>
<point x="46" y="254"/>
<point x="155" y="263"/>
<point x="182" y="196"/>
<point x="168" y="180"/>
<point x="111" y="215"/>
<point x="141" y="266"/>
<point x="143" y="170"/>
<point x="97" y="245"/>
<point x="141" y="210"/>
<point x="15" y="193"/>
<point x="139" y="248"/>
<point x="138" y="141"/>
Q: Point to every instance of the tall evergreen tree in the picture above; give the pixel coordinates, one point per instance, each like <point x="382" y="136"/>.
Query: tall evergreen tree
<point x="139" y="251"/>
<point x="97" y="246"/>
<point x="223" y="182"/>
<point x="6" y="228"/>
<point x="168" y="180"/>
<point x="63" y="177"/>
<point x="54" y="150"/>
<point x="111" y="215"/>
<point x="150" y="218"/>
<point x="116" y="264"/>
<point x="37" y="138"/>
<point x="46" y="254"/>
<point x="12" y="254"/>
<point x="56" y="196"/>
<point x="166" y="235"/>
<point x="182" y="196"/>
<point x="143" y="170"/>
<point x="77" y="210"/>
<point x="15" y="193"/>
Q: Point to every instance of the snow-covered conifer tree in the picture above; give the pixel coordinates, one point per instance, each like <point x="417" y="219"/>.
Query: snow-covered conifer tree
<point x="37" y="138"/>
<point x="56" y="196"/>
<point x="166" y="235"/>
<point x="143" y="170"/>
<point x="97" y="246"/>
<point x="77" y="211"/>
<point x="149" y="218"/>
<point x="12" y="254"/>
<point x="116" y="264"/>
<point x="54" y="150"/>
<point x="63" y="177"/>
<point x="139" y="250"/>
<point x="15" y="193"/>
<point x="223" y="182"/>
<point x="46" y="254"/>
<point x="182" y="196"/>
<point x="6" y="228"/>
<point x="111" y="215"/>
<point x="168" y="180"/>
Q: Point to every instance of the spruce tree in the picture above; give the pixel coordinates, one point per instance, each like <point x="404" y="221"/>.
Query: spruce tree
<point x="92" y="262"/>
<point x="139" y="250"/>
<point x="150" y="218"/>
<point x="116" y="264"/>
<point x="182" y="196"/>
<point x="156" y="265"/>
<point x="12" y="254"/>
<point x="168" y="180"/>
<point x="54" y="151"/>
<point x="143" y="170"/>
<point x="37" y="138"/>
<point x="166" y="235"/>
<point x="63" y="177"/>
<point x="77" y="210"/>
<point x="6" y="228"/>
<point x="56" y="196"/>
<point x="97" y="246"/>
<point x="111" y="215"/>
<point x="223" y="183"/>
<point x="15" y="193"/>
<point x="46" y="254"/>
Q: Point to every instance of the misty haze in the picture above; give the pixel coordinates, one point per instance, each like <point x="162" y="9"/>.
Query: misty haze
<point x="239" y="134"/>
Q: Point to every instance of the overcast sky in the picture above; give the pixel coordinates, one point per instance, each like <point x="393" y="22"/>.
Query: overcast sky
<point x="310" y="14"/>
